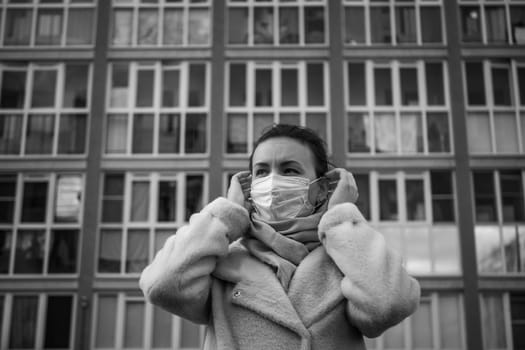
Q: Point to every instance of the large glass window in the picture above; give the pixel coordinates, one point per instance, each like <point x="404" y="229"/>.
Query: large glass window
<point x="51" y="118"/>
<point x="140" y="209"/>
<point x="397" y="108"/>
<point x="260" y="94"/>
<point x="157" y="108"/>
<point x="48" y="23"/>
<point x="161" y="23"/>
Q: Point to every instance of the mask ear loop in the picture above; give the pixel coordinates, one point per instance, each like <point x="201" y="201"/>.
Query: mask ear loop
<point x="320" y="201"/>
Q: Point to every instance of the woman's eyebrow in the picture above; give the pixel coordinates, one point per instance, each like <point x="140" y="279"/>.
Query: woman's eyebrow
<point x="291" y="162"/>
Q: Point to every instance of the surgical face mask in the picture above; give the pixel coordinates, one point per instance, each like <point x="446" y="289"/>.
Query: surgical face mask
<point x="277" y="197"/>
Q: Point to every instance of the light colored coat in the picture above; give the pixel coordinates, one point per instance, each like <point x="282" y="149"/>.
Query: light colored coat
<point x="351" y="285"/>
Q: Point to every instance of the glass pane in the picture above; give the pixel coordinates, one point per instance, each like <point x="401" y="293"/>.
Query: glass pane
<point x="145" y="88"/>
<point x="445" y="247"/>
<point x="199" y="26"/>
<point x="363" y="201"/>
<point x="263" y="25"/>
<point x="314" y="25"/>
<point x="388" y="200"/>
<point x="23" y="322"/>
<point x="260" y="123"/>
<point x="167" y="201"/>
<point x="44" y="86"/>
<point x="385" y="133"/>
<point x="161" y="236"/>
<point x="406" y="24"/>
<point x="496" y="24"/>
<point x="317" y="122"/>
<point x="120" y="85"/>
<point x="359" y="133"/>
<point x="194" y="194"/>
<point x="263" y="87"/>
<point x="117" y="131"/>
<point x="471" y="23"/>
<point x="409" y="86"/>
<point x="68" y="198"/>
<point x="169" y="131"/>
<point x="75" y="89"/>
<point x="434" y="83"/>
<point x="196" y="133"/>
<point x="190" y="334"/>
<point x="517" y="19"/>
<point x="380" y="25"/>
<point x="134" y="324"/>
<point x="475" y="83"/>
<point x="289" y="87"/>
<point x="237" y="85"/>
<point x="438" y="132"/>
<point x="72" y="134"/>
<point x="289" y="118"/>
<point x="80" y="27"/>
<point x="173" y="26"/>
<point x="170" y="88"/>
<point x="110" y="251"/>
<point x="411" y="133"/>
<point x="13" y="89"/>
<point x="488" y="249"/>
<point x="521" y="80"/>
<point x="485" y="197"/>
<point x="478" y="128"/>
<point x="357" y="84"/>
<point x="442" y="196"/>
<point x="49" y="27"/>
<point x="431" y="28"/>
<point x="450" y="321"/>
<point x="137" y="251"/>
<point x="106" y="321"/>
<point x="34" y="204"/>
<point x="18" y="26"/>
<point x="148" y="27"/>
<point x="315" y="83"/>
<point x="162" y="328"/>
<point x="288" y="25"/>
<point x="39" y="134"/>
<point x="6" y="241"/>
<point x="122" y="27"/>
<point x="139" y="201"/>
<point x="421" y="320"/>
<point x="492" y="321"/>
<point x="142" y="141"/>
<point x="505" y="130"/>
<point x="197" y="85"/>
<point x="394" y="338"/>
<point x="238" y="26"/>
<point x="58" y="322"/>
<point x="415" y="198"/>
<point x="511" y="241"/>
<point x="10" y="134"/>
<point x="30" y="250"/>
<point x="354" y="25"/>
<point x="417" y="251"/>
<point x="64" y="251"/>
<point x="501" y="86"/>
<point x="511" y="187"/>
<point x="383" y="86"/>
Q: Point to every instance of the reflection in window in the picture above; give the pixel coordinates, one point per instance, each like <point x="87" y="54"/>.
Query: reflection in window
<point x="139" y="209"/>
<point x="116" y="135"/>
<point x="199" y="27"/>
<point x="471" y="23"/>
<point x="385" y="133"/>
<point x="288" y="25"/>
<point x="68" y="198"/>
<point x="442" y="196"/>
<point x="30" y="251"/>
<point x="106" y="321"/>
<point x="512" y="196"/>
<point x="194" y="194"/>
<point x="496" y="24"/>
<point x="493" y="321"/>
<point x="411" y="133"/>
<point x="196" y="133"/>
<point x="137" y="251"/>
<point x="80" y="27"/>
<point x="169" y="131"/>
<point x="6" y="242"/>
<point x="506" y="133"/>
<point x="142" y="139"/>
<point x="134" y="324"/>
<point x="167" y="201"/>
<point x="517" y="20"/>
<point x="431" y="28"/>
<point x="39" y="134"/>
<point x="49" y="27"/>
<point x="122" y="26"/>
<point x="359" y="133"/>
<point x="380" y="25"/>
<point x="354" y="25"/>
<point x="10" y="133"/>
<point x="113" y="198"/>
<point x="197" y="85"/>
<point x="147" y="30"/>
<point x="388" y="200"/>
<point x="415" y="200"/>
<point x="75" y="89"/>
<point x="109" y="256"/>
<point x="72" y="134"/>
<point x="314" y="25"/>
<point x="44" y="86"/>
<point x="485" y="197"/>
<point x="502" y="94"/>
<point x="238" y="26"/>
<point x="263" y="87"/>
<point x="23" y="322"/>
<point x="406" y="24"/>
<point x="438" y="132"/>
<point x="383" y="86"/>
<point x="479" y="136"/>
<point x="64" y="251"/>
<point x="173" y="26"/>
<point x="18" y="26"/>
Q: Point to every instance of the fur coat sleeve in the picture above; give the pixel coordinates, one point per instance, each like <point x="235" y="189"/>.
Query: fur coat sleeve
<point x="179" y="277"/>
<point x="378" y="290"/>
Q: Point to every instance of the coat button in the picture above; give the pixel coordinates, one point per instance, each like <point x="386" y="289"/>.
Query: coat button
<point x="237" y="294"/>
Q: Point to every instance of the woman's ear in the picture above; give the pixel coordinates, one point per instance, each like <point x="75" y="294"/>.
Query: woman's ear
<point x="318" y="192"/>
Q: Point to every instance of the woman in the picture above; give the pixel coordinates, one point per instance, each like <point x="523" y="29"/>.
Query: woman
<point x="286" y="261"/>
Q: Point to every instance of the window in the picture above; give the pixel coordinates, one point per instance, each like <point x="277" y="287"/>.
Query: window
<point x="143" y="325"/>
<point x="51" y="119"/>
<point x="272" y="22"/>
<point x="384" y="22"/>
<point x="48" y="23"/>
<point x="141" y="208"/>
<point x="438" y="323"/>
<point x="397" y="108"/>
<point x="260" y="94"/>
<point x="517" y="312"/>
<point x="494" y="117"/>
<point x="157" y="108"/>
<point x="40" y="223"/>
<point x="161" y="23"/>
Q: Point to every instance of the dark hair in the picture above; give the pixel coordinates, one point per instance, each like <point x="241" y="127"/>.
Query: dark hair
<point x="302" y="134"/>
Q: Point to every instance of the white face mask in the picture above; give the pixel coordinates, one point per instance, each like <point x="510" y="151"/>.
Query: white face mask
<point x="277" y="197"/>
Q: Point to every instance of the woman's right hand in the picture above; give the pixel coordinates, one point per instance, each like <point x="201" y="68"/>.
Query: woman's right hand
<point x="239" y="190"/>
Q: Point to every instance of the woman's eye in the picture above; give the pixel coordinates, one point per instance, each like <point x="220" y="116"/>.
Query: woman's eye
<point x="291" y="171"/>
<point x="260" y="172"/>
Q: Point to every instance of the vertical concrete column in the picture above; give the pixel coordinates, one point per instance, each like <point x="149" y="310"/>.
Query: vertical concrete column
<point x="92" y="178"/>
<point x="463" y="178"/>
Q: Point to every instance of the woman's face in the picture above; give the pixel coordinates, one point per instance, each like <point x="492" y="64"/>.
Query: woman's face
<point x="283" y="156"/>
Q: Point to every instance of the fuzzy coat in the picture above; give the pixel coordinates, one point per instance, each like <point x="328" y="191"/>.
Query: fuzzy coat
<point x="352" y="285"/>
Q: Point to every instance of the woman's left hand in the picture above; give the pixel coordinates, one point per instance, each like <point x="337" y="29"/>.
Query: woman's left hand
<point x="239" y="190"/>
<point x="342" y="187"/>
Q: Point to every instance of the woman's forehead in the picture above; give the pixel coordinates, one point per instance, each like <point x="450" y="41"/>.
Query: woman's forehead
<point x="282" y="149"/>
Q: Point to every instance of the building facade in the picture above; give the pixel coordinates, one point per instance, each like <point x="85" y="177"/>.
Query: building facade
<point x="120" y="118"/>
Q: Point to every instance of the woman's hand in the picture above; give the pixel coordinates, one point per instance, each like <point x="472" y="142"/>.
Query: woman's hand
<point x="342" y="187"/>
<point x="239" y="190"/>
